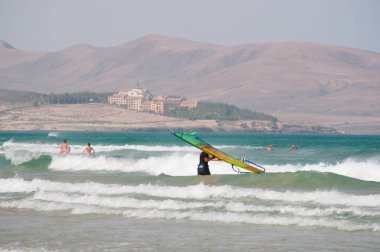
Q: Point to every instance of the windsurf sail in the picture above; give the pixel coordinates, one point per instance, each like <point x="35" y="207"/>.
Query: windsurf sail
<point x="197" y="142"/>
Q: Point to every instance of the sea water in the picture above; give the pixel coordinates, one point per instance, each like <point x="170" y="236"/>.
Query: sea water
<point x="140" y="191"/>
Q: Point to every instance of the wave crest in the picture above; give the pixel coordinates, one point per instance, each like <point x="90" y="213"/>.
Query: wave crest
<point x="224" y="204"/>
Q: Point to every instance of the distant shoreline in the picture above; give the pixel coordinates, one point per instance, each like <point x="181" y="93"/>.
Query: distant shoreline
<point x="189" y="131"/>
<point x="107" y="118"/>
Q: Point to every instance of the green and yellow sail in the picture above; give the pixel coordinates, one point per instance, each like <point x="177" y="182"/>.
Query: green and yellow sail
<point x="197" y="142"/>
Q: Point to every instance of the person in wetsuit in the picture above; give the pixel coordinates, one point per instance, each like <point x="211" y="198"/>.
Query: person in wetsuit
<point x="203" y="168"/>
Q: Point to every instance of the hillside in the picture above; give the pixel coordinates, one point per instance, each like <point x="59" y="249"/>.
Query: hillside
<point x="293" y="81"/>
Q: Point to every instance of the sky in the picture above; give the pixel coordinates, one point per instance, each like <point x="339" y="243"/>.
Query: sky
<point x="52" y="25"/>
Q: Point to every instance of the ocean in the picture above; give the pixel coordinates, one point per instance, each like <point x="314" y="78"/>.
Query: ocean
<point x="140" y="192"/>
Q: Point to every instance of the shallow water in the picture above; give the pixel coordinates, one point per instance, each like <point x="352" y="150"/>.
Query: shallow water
<point x="62" y="232"/>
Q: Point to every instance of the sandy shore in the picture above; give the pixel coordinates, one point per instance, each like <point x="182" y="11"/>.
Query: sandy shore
<point x="103" y="117"/>
<point x="83" y="117"/>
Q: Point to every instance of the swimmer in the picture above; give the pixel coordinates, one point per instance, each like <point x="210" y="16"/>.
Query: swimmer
<point x="89" y="150"/>
<point x="292" y="147"/>
<point x="65" y="147"/>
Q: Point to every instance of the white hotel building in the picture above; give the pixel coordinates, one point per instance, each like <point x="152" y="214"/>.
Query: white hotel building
<point x="140" y="99"/>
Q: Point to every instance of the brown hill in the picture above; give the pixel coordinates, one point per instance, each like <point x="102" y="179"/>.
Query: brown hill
<point x="291" y="80"/>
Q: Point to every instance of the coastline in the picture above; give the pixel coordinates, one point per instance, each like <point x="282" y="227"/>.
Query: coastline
<point x="104" y="117"/>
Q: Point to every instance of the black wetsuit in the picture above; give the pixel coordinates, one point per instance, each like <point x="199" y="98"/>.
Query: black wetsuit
<point x="203" y="165"/>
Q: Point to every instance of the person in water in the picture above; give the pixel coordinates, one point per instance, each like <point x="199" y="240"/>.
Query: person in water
<point x="270" y="148"/>
<point x="292" y="147"/>
<point x="65" y="147"/>
<point x="89" y="150"/>
<point x="203" y="168"/>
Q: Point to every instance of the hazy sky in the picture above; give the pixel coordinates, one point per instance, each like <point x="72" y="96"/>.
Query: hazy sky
<point x="52" y="25"/>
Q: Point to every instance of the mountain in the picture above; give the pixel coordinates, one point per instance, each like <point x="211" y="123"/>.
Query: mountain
<point x="5" y="45"/>
<point x="285" y="79"/>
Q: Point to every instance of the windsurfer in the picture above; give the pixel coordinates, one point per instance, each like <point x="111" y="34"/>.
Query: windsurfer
<point x="203" y="168"/>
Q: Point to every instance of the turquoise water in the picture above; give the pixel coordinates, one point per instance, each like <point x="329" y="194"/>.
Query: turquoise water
<point x="327" y="190"/>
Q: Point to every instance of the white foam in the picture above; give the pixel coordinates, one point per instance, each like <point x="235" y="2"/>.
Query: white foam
<point x="175" y="164"/>
<point x="209" y="216"/>
<point x="225" y="204"/>
<point x="368" y="170"/>
<point x="19" y="153"/>
<point x="301" y="211"/>
<point x="180" y="164"/>
<point x="121" y="202"/>
<point x="328" y="198"/>
<point x="53" y="134"/>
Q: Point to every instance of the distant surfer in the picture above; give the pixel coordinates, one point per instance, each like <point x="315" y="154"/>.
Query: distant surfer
<point x="270" y="148"/>
<point x="89" y="150"/>
<point x="65" y="147"/>
<point x="293" y="147"/>
<point x="203" y="168"/>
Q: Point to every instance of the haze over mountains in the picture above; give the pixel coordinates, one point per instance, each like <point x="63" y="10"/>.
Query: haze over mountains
<point x="312" y="81"/>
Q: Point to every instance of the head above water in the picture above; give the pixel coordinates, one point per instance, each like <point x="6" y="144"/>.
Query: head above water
<point x="65" y="140"/>
<point x="88" y="144"/>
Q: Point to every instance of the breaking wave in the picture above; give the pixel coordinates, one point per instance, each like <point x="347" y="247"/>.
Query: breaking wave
<point x="223" y="203"/>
